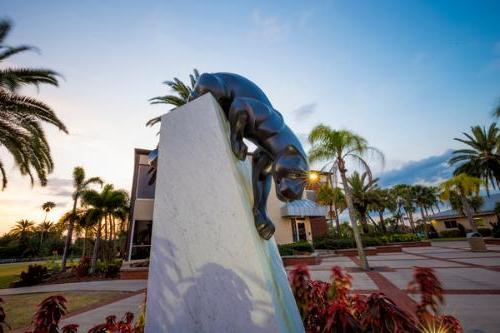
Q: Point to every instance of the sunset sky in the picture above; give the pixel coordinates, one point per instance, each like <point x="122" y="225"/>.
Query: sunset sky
<point x="409" y="76"/>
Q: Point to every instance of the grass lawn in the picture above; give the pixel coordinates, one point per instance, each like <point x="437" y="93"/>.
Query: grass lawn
<point x="20" y="308"/>
<point x="10" y="272"/>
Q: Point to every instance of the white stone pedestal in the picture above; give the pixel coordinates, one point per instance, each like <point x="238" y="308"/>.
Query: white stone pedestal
<point x="210" y="271"/>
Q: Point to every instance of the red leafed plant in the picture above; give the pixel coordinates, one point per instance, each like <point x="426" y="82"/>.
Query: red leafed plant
<point x="49" y="313"/>
<point x="330" y="307"/>
<point x="71" y="328"/>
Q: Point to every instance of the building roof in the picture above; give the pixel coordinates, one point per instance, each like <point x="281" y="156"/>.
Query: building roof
<point x="302" y="208"/>
<point x="488" y="207"/>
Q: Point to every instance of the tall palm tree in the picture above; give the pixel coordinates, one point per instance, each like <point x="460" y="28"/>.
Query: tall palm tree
<point x="21" y="230"/>
<point x="180" y="97"/>
<point x="21" y="117"/>
<point x="104" y="206"/>
<point x="481" y="159"/>
<point x="364" y="194"/>
<point x="334" y="198"/>
<point x="80" y="184"/>
<point x="337" y="147"/>
<point x="465" y="187"/>
<point x="47" y="207"/>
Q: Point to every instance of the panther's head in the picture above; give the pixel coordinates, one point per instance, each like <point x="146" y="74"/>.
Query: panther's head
<point x="290" y="172"/>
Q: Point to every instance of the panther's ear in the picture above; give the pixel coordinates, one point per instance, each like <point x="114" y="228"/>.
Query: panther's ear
<point x="210" y="83"/>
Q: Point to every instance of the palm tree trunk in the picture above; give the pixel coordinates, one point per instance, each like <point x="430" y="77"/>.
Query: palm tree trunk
<point x="382" y="222"/>
<point x="67" y="243"/>
<point x="352" y="217"/>
<point x="424" y="219"/>
<point x="93" y="262"/>
<point x="84" y="242"/>
<point x="337" y="220"/>
<point x="468" y="213"/>
<point x="412" y="224"/>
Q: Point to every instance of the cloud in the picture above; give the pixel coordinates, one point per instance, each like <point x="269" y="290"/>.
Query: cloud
<point x="428" y="171"/>
<point x="270" y="27"/>
<point x="304" y="111"/>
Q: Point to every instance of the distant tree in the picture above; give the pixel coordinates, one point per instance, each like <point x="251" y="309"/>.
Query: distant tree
<point x="44" y="228"/>
<point x="424" y="198"/>
<point x="336" y="147"/>
<point x="80" y="184"/>
<point x="47" y="207"/>
<point x="465" y="187"/>
<point x="385" y="201"/>
<point x="334" y="198"/>
<point x="481" y="159"/>
<point x="21" y="117"/>
<point x="22" y="230"/>
<point x="104" y="206"/>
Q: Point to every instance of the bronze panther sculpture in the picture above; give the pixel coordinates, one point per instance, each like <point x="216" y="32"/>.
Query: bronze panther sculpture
<point x="279" y="154"/>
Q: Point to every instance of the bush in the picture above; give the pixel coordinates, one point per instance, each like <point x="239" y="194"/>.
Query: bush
<point x="109" y="269"/>
<point x="294" y="248"/>
<point x="485" y="232"/>
<point x="327" y="243"/>
<point x="10" y="252"/>
<point x="373" y="241"/>
<point x="33" y="276"/>
<point x="82" y="269"/>
<point x="450" y="233"/>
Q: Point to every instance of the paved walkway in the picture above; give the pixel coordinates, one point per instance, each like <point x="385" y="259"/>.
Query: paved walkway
<point x="471" y="281"/>
<point x="89" y="319"/>
<point x="105" y="285"/>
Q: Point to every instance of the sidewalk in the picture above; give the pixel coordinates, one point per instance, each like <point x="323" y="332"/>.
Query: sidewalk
<point x="105" y="285"/>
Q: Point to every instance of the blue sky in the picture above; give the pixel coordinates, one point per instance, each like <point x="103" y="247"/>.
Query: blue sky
<point x="407" y="75"/>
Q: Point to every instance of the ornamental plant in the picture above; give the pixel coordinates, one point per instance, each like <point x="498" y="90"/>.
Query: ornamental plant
<point x="331" y="307"/>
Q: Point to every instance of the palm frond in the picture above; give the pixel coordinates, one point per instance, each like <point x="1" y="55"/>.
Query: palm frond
<point x="13" y="78"/>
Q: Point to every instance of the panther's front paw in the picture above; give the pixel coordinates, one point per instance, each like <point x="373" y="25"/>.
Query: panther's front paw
<point x="264" y="226"/>
<point x="240" y="150"/>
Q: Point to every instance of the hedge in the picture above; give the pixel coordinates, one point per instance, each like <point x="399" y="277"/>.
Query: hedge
<point x="294" y="248"/>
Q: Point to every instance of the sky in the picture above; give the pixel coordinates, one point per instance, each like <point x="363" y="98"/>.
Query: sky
<point x="409" y="76"/>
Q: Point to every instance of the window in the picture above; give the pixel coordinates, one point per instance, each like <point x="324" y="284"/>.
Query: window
<point x="141" y="241"/>
<point x="450" y="224"/>
<point x="144" y="190"/>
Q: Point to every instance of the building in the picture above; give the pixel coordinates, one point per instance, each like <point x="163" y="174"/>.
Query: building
<point x="450" y="219"/>
<point x="299" y="220"/>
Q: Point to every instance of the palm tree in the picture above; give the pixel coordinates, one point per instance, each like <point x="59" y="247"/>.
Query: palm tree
<point x="465" y="187"/>
<point x="47" y="207"/>
<point x="336" y="147"/>
<point x="481" y="159"/>
<point x="334" y="198"/>
<point x="406" y="197"/>
<point x="21" y="230"/>
<point x="181" y="94"/>
<point x="80" y="184"/>
<point x="21" y="132"/>
<point x="424" y="198"/>
<point x="384" y="201"/>
<point x="364" y="195"/>
<point x="44" y="228"/>
<point x="104" y="206"/>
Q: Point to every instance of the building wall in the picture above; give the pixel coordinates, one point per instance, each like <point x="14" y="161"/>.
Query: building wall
<point x="283" y="233"/>
<point x="482" y="221"/>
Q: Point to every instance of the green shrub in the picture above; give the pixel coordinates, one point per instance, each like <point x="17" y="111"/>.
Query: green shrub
<point x="372" y="241"/>
<point x="82" y="269"/>
<point x="327" y="243"/>
<point x="10" y="252"/>
<point x="294" y="248"/>
<point x="453" y="233"/>
<point x="109" y="269"/>
<point x="33" y="276"/>
<point x="485" y="232"/>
